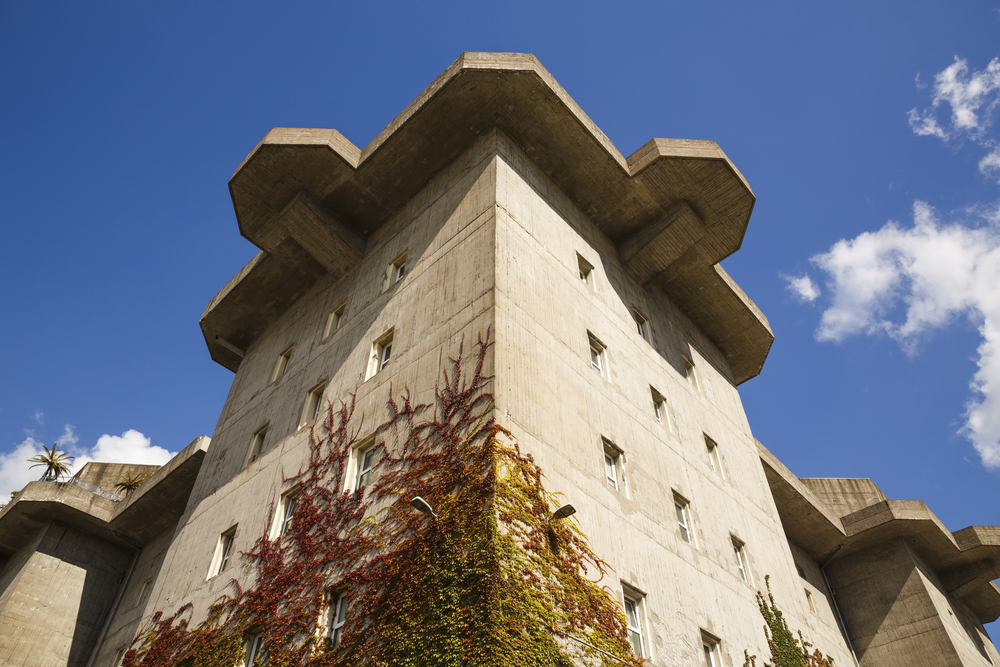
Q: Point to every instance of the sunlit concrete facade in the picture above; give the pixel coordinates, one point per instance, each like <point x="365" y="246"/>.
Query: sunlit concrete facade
<point x="494" y="203"/>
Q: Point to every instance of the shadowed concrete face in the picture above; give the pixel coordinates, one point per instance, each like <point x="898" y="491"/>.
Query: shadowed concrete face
<point x="54" y="610"/>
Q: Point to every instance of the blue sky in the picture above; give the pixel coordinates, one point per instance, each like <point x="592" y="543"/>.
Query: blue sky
<point x="124" y="121"/>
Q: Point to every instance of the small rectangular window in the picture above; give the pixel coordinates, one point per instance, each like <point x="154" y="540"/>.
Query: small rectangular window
<point x="740" y="554"/>
<point x="598" y="356"/>
<point x="713" y="455"/>
<point x="682" y="509"/>
<point x="586" y="271"/>
<point x="613" y="472"/>
<point x="335" y="319"/>
<point x="395" y="271"/>
<point x="256" y="444"/>
<point x="281" y="363"/>
<point x="641" y="323"/>
<point x="253" y="649"/>
<point x="359" y="471"/>
<point x="811" y="601"/>
<point x="713" y="656"/>
<point x="143" y="592"/>
<point x="286" y="511"/>
<point x="634" y="622"/>
<point x="366" y="459"/>
<point x="311" y="406"/>
<point x="223" y="551"/>
<point x="660" y="408"/>
<point x="338" y="618"/>
<point x="691" y="373"/>
<point x="380" y="355"/>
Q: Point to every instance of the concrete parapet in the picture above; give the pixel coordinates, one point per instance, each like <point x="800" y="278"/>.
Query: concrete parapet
<point x="343" y="194"/>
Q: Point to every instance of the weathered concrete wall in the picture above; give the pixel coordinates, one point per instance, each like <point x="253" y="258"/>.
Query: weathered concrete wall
<point x="128" y="616"/>
<point x="898" y="615"/>
<point x="560" y="408"/>
<point x="53" y="613"/>
<point x="447" y="293"/>
<point x="106" y="475"/>
<point x="844" y="496"/>
<point x="15" y="566"/>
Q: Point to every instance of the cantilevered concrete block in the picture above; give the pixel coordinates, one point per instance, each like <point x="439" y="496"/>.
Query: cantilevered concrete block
<point x="656" y="245"/>
<point x="318" y="231"/>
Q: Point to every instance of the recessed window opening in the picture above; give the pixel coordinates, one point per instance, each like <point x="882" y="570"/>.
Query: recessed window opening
<point x="612" y="465"/>
<point x="366" y="458"/>
<point x="395" y="271"/>
<point x="119" y="656"/>
<point x="598" y="354"/>
<point x="713" y="455"/>
<point x="586" y="271"/>
<point x="143" y="591"/>
<point x="809" y="599"/>
<point x="253" y="649"/>
<point x="380" y="355"/>
<point x="256" y="444"/>
<point x="287" y="510"/>
<point x="338" y="618"/>
<point x="633" y="602"/>
<point x="634" y="629"/>
<point x="713" y="655"/>
<point x="740" y="554"/>
<point x="281" y="363"/>
<point x="691" y="373"/>
<point x="641" y="323"/>
<point x="312" y="404"/>
<point x="223" y="551"/>
<point x="682" y="509"/>
<point x="659" y="407"/>
<point x="335" y="319"/>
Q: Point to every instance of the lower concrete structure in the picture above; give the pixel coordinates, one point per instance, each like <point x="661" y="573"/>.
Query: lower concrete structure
<point x="494" y="207"/>
<point x="72" y="548"/>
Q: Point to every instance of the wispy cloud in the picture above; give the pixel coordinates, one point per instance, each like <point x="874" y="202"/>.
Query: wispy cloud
<point x="910" y="281"/>
<point x="68" y="437"/>
<point x="129" y="447"/>
<point x="801" y="286"/>
<point x="973" y="97"/>
<point x="990" y="165"/>
<point x="39" y="417"/>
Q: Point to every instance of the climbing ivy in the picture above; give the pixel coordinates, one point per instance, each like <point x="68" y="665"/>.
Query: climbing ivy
<point x="786" y="649"/>
<point x="489" y="581"/>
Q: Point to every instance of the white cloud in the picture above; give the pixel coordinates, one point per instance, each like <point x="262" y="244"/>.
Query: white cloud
<point x="925" y="125"/>
<point x="990" y="165"/>
<point x="129" y="447"/>
<point x="38" y="417"/>
<point x="14" y="467"/>
<point x="972" y="98"/>
<point x="802" y="286"/>
<point x="908" y="282"/>
<point x="68" y="438"/>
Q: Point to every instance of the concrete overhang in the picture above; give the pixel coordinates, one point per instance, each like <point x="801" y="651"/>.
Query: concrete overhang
<point x="159" y="503"/>
<point x="309" y="199"/>
<point x="966" y="561"/>
<point x="154" y="507"/>
<point x="806" y="521"/>
<point x="38" y="503"/>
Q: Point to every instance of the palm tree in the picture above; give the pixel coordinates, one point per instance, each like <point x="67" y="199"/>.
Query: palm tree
<point x="129" y="481"/>
<point x="56" y="463"/>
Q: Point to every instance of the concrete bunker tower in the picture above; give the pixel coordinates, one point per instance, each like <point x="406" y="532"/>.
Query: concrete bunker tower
<point x="492" y="203"/>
